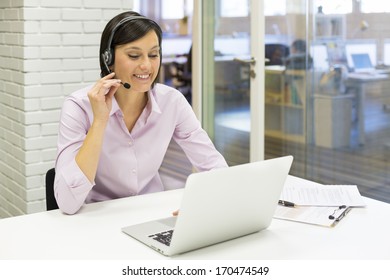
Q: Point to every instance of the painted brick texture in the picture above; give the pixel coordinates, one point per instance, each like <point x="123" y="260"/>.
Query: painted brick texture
<point x="48" y="48"/>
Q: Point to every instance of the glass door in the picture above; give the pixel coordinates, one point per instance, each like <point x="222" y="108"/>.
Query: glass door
<point x="319" y="106"/>
<point x="231" y="76"/>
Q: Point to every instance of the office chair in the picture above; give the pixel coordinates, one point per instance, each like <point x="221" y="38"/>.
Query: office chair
<point x="276" y="53"/>
<point x="182" y="76"/>
<point x="51" y="202"/>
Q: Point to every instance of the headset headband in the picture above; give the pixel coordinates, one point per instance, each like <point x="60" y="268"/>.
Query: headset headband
<point x="124" y="20"/>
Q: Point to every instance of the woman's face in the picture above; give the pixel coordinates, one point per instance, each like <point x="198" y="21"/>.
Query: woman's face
<point x="138" y="62"/>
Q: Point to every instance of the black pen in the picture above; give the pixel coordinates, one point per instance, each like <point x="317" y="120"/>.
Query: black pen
<point x="346" y="211"/>
<point x="286" y="203"/>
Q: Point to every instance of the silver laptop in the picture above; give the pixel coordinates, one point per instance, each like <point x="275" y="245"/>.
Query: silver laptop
<point x="218" y="205"/>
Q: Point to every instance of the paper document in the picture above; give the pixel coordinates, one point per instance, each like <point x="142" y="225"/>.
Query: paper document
<point x="322" y="195"/>
<point x="315" y="203"/>
<point x="311" y="214"/>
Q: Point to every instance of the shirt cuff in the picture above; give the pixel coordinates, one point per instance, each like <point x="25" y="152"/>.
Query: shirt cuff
<point x="76" y="179"/>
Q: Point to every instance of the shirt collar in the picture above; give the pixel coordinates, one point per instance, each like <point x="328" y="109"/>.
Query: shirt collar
<point x="151" y="106"/>
<point x="154" y="107"/>
<point x="115" y="107"/>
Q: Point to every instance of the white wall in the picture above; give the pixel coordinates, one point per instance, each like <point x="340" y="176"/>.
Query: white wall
<point x="48" y="48"/>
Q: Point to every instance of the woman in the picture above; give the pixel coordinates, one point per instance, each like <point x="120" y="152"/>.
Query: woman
<point x="114" y="134"/>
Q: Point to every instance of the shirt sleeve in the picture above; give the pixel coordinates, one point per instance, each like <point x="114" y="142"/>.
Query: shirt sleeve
<point x="71" y="186"/>
<point x="195" y="141"/>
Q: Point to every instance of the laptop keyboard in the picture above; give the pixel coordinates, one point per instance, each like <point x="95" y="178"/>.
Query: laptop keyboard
<point x="163" y="237"/>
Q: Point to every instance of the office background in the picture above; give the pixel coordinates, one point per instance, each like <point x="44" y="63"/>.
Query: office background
<point x="48" y="49"/>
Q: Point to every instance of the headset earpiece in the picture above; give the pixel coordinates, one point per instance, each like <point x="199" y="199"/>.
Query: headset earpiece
<point x="107" y="57"/>
<point x="108" y="54"/>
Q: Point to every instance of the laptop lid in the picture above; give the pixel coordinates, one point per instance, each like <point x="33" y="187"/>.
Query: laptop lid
<point x="362" y="63"/>
<point x="223" y="204"/>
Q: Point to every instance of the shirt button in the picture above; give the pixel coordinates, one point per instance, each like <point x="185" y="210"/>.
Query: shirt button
<point x="130" y="143"/>
<point x="134" y="171"/>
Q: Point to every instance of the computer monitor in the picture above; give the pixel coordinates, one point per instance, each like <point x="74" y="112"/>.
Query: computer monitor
<point x="319" y="53"/>
<point x="361" y="47"/>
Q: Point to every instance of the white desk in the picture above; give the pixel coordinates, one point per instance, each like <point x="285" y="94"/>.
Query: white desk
<point x="95" y="233"/>
<point x="359" y="81"/>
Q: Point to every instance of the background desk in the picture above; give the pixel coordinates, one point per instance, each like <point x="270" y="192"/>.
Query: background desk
<point x="95" y="233"/>
<point x="359" y="82"/>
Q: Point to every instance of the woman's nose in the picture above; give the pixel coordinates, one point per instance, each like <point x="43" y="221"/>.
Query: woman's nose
<point x="145" y="64"/>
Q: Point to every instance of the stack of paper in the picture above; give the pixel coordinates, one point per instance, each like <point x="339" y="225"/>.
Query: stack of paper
<point x="316" y="203"/>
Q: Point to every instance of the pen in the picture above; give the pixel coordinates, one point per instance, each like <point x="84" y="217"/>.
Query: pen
<point x="346" y="211"/>
<point x="286" y="203"/>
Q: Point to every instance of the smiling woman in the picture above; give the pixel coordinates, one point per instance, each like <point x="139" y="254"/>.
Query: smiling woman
<point x="138" y="62"/>
<point x="107" y="137"/>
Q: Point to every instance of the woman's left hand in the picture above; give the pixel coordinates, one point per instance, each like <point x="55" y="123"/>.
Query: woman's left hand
<point x="175" y="213"/>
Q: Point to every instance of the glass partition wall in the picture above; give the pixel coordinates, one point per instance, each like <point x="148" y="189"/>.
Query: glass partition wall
<point x="326" y="94"/>
<point x="329" y="106"/>
<point x="226" y="85"/>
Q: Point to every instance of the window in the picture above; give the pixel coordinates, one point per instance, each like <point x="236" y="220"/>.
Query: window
<point x="189" y="6"/>
<point x="275" y="7"/>
<point x="335" y="6"/>
<point x="136" y="6"/>
<point x="182" y="8"/>
<point x="374" y="6"/>
<point x="168" y="13"/>
<point x="234" y="8"/>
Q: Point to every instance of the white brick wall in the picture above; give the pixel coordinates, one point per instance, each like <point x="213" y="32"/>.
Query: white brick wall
<point x="48" y="48"/>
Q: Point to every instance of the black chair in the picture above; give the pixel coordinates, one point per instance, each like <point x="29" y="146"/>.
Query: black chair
<point x="276" y="53"/>
<point x="182" y="76"/>
<point x="51" y="202"/>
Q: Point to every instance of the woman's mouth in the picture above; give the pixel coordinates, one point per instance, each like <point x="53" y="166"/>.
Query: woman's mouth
<point x="142" y="77"/>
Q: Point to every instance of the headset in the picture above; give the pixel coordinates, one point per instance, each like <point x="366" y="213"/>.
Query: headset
<point x="108" y="54"/>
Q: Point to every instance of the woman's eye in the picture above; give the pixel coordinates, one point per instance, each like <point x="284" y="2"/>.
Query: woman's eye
<point x="133" y="56"/>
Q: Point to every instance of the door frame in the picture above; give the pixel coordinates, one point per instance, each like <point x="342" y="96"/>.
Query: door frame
<point x="203" y="39"/>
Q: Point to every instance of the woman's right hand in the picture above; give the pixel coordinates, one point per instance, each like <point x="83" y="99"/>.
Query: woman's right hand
<point x="101" y="96"/>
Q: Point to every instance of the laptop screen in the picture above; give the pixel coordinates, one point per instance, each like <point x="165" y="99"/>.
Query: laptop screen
<point x="362" y="62"/>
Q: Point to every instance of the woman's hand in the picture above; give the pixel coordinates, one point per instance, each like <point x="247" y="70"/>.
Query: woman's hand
<point x="101" y="96"/>
<point x="175" y="213"/>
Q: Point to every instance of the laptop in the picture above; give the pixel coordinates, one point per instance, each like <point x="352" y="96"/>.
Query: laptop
<point x="218" y="205"/>
<point x="362" y="63"/>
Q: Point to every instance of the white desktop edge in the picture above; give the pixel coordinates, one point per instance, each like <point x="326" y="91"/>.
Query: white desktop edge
<point x="94" y="233"/>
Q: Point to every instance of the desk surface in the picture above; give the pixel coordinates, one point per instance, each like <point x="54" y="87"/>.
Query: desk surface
<point x="95" y="233"/>
<point x="366" y="77"/>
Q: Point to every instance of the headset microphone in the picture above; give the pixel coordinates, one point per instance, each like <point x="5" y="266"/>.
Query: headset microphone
<point x="126" y="85"/>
